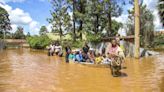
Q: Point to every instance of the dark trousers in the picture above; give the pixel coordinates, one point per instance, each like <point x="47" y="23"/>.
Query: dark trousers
<point x="67" y="57"/>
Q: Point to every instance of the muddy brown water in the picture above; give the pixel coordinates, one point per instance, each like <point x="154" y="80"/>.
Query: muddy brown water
<point x="23" y="70"/>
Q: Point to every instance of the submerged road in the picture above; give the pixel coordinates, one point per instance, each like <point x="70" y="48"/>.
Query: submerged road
<point x="23" y="70"/>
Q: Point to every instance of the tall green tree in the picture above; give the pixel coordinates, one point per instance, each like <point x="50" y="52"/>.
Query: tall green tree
<point x="94" y="14"/>
<point x="99" y="13"/>
<point x="43" y="30"/>
<point x="72" y="4"/>
<point x="112" y="8"/>
<point x="60" y="16"/>
<point x="80" y="14"/>
<point x="5" y="24"/>
<point x="161" y="10"/>
<point x="19" y="33"/>
<point x="89" y="16"/>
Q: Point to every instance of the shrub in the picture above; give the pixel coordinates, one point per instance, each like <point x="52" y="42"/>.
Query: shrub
<point x="96" y="38"/>
<point x="159" y="40"/>
<point x="38" y="42"/>
<point x="77" y="44"/>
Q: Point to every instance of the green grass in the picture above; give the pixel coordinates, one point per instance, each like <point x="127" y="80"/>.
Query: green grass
<point x="56" y="37"/>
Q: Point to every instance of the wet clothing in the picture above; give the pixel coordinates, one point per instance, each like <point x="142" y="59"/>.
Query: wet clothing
<point x="91" y="57"/>
<point x="113" y="50"/>
<point x="58" y="49"/>
<point x="85" y="49"/>
<point x="51" y="50"/>
<point x="79" y="57"/>
<point x="85" y="57"/>
<point x="117" y="51"/>
<point x="71" y="56"/>
<point x="106" y="61"/>
<point x="67" y="58"/>
<point x="68" y="51"/>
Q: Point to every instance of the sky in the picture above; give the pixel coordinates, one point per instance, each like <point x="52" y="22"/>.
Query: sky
<point x="32" y="14"/>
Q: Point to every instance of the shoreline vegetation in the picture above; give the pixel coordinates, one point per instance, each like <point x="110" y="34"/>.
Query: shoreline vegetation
<point x="42" y="41"/>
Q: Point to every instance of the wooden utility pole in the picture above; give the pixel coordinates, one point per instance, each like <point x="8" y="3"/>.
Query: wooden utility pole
<point x="137" y="29"/>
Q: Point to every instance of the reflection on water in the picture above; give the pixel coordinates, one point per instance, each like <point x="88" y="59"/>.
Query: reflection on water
<point x="22" y="70"/>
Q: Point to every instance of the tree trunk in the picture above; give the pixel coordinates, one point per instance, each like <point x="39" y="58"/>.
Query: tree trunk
<point x="137" y="30"/>
<point x="109" y="31"/>
<point x="61" y="33"/>
<point x="96" y="24"/>
<point x="82" y="11"/>
<point x="74" y="29"/>
<point x="80" y="29"/>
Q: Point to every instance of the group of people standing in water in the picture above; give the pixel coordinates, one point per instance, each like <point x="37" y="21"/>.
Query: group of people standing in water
<point x="88" y="54"/>
<point x="55" y="48"/>
<point x="112" y="54"/>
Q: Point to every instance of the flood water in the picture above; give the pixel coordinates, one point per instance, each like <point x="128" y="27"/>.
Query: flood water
<point x="23" y="70"/>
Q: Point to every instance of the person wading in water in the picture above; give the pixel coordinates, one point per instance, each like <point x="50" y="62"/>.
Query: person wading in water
<point x="116" y="55"/>
<point x="68" y="51"/>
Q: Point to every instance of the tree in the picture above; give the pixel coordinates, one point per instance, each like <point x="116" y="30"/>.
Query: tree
<point x="89" y="16"/>
<point x="60" y="16"/>
<point x="72" y="8"/>
<point x="146" y="25"/>
<point x="5" y="24"/>
<point x="161" y="10"/>
<point x="98" y="14"/>
<point x="43" y="30"/>
<point x="80" y="14"/>
<point x="93" y="17"/>
<point x="19" y="33"/>
<point x="112" y="8"/>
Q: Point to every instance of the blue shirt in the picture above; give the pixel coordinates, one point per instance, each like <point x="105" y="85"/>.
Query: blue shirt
<point x="79" y="57"/>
